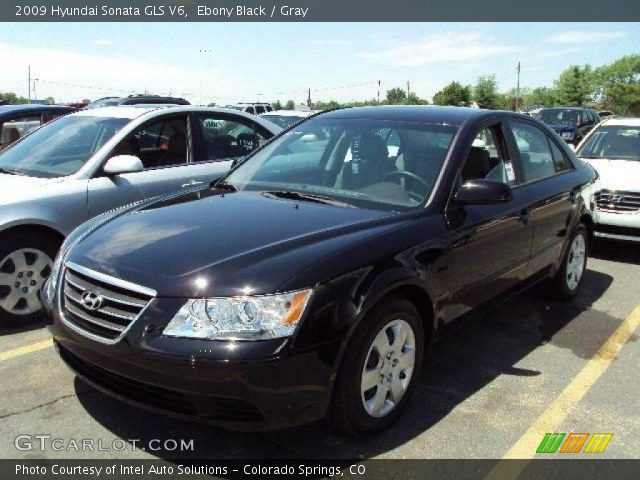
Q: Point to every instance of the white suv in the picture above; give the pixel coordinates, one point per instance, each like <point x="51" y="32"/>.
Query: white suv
<point x="253" y="108"/>
<point x="613" y="149"/>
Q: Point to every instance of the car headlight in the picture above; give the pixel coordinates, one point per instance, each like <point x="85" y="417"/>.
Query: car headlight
<point x="245" y="317"/>
<point x="567" y="135"/>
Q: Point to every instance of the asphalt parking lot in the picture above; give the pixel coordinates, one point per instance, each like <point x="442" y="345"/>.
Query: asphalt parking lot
<point x="488" y="390"/>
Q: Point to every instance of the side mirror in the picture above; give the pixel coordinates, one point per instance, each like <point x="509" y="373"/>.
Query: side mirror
<point x="123" y="164"/>
<point x="483" y="192"/>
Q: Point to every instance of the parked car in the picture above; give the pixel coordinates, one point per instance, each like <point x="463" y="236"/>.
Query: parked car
<point x="18" y="120"/>
<point x="613" y="149"/>
<point x="605" y="113"/>
<point x="286" y="118"/>
<point x="137" y="100"/>
<point x="253" y="108"/>
<point x="571" y="123"/>
<point x="86" y="163"/>
<point x="312" y="284"/>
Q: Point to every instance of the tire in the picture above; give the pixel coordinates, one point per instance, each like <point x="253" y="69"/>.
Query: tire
<point x="348" y="412"/>
<point x="567" y="282"/>
<point x="25" y="264"/>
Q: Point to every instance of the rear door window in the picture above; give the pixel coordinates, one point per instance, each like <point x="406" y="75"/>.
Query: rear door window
<point x="534" y="147"/>
<point x="226" y="137"/>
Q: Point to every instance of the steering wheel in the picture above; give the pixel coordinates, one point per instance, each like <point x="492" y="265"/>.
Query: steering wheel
<point x="413" y="176"/>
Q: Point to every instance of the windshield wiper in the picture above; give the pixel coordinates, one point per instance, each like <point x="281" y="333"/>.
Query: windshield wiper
<point x="10" y="171"/>
<point x="225" y="186"/>
<point x="306" y="197"/>
<point x="590" y="156"/>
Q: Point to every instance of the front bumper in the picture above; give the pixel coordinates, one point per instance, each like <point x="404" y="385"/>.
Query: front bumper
<point x="617" y="226"/>
<point x="244" y="385"/>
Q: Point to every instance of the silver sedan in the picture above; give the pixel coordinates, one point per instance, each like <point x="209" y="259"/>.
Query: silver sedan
<point x="84" y="164"/>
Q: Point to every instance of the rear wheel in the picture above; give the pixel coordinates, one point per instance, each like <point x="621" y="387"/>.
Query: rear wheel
<point x="380" y="369"/>
<point x="567" y="282"/>
<point x="25" y="264"/>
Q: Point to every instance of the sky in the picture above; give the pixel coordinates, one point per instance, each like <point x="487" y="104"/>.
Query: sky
<point x="230" y="62"/>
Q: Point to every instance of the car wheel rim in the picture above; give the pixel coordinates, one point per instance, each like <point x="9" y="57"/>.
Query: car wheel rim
<point x="22" y="274"/>
<point x="388" y="368"/>
<point x="576" y="262"/>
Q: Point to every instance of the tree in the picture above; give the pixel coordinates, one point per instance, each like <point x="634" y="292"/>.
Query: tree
<point x="396" y="96"/>
<point x="86" y="100"/>
<point x="485" y="92"/>
<point x="212" y="104"/>
<point x="277" y="105"/>
<point x="290" y="105"/>
<point x="575" y="85"/>
<point x="49" y="100"/>
<point x="413" y="99"/>
<point x="542" y="96"/>
<point x="617" y="84"/>
<point x="454" y="94"/>
<point x="11" y="98"/>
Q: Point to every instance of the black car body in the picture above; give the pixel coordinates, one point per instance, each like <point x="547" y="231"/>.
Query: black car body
<point x="17" y="120"/>
<point x="571" y="123"/>
<point x="454" y="250"/>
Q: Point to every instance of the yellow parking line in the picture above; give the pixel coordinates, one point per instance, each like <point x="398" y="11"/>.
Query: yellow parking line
<point x="552" y="417"/>
<point x="17" y="352"/>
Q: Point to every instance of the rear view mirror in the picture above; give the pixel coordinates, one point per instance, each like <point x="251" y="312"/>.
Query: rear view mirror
<point x="123" y="164"/>
<point x="483" y="192"/>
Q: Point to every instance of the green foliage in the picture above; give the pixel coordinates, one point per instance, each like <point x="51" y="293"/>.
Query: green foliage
<point x="11" y="98"/>
<point x="212" y="104"/>
<point x="50" y="100"/>
<point x="485" y="92"/>
<point x="277" y="105"/>
<point x="542" y="96"/>
<point x="575" y="85"/>
<point x="454" y="94"/>
<point x="396" y="96"/>
<point x="290" y="105"/>
<point x="618" y="85"/>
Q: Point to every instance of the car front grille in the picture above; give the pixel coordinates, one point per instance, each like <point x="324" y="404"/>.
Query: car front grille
<point x="617" y="201"/>
<point x="99" y="306"/>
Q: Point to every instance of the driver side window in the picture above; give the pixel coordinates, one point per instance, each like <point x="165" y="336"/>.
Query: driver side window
<point x="487" y="158"/>
<point x="225" y="138"/>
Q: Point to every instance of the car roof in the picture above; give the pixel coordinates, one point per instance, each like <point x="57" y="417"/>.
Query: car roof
<point x="32" y="106"/>
<point x="290" y="113"/>
<point x="129" y="112"/>
<point x="414" y="113"/>
<point x="623" y="121"/>
<point x="567" y="108"/>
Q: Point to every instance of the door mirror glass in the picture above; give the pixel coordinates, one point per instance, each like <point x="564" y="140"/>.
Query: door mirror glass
<point x="483" y="192"/>
<point x="123" y="164"/>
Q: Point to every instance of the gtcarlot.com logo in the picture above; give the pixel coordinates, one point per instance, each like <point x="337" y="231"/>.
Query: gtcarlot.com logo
<point x="574" y="442"/>
<point x="45" y="442"/>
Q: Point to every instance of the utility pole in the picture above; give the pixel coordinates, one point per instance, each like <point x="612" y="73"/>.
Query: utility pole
<point x="309" y="99"/>
<point x="29" y="83"/>
<point x="378" y="92"/>
<point x="518" y="87"/>
<point x="408" y="89"/>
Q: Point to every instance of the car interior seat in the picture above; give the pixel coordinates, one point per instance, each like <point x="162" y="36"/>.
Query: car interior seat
<point x="624" y="146"/>
<point x="176" y="150"/>
<point x="477" y="166"/>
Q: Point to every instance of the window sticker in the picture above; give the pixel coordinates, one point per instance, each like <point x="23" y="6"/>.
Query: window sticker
<point x="511" y="176"/>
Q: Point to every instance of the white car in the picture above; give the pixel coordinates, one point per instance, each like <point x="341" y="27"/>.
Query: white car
<point x="613" y="149"/>
<point x="286" y="118"/>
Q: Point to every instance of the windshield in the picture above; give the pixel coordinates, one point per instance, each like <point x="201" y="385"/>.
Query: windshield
<point x="559" y="116"/>
<point x="614" y="142"/>
<point x="105" y="102"/>
<point x="61" y="147"/>
<point x="386" y="165"/>
<point x="283" y="121"/>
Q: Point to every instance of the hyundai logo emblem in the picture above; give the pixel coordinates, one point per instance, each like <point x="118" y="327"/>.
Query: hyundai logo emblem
<point x="616" y="199"/>
<point x="91" y="300"/>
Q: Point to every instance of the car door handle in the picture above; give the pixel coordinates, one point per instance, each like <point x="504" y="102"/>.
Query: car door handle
<point x="191" y="183"/>
<point x="525" y="213"/>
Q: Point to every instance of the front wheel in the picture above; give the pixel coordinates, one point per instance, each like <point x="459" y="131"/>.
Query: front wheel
<point x="567" y="282"/>
<point x="25" y="264"/>
<point x="380" y="369"/>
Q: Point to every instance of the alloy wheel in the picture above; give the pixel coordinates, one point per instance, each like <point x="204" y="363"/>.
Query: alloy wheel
<point x="388" y="368"/>
<point x="22" y="275"/>
<point x="576" y="261"/>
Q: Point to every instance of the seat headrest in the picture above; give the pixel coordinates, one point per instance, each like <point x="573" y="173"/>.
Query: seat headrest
<point x="477" y="164"/>
<point x="372" y="148"/>
<point x="177" y="144"/>
<point x="247" y="141"/>
<point x="13" y="134"/>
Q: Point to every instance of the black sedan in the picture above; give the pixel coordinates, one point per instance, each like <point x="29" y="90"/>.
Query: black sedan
<point x="309" y="281"/>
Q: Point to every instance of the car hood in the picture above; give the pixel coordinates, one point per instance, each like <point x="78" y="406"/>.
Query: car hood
<point x="617" y="174"/>
<point x="15" y="188"/>
<point x="207" y="243"/>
